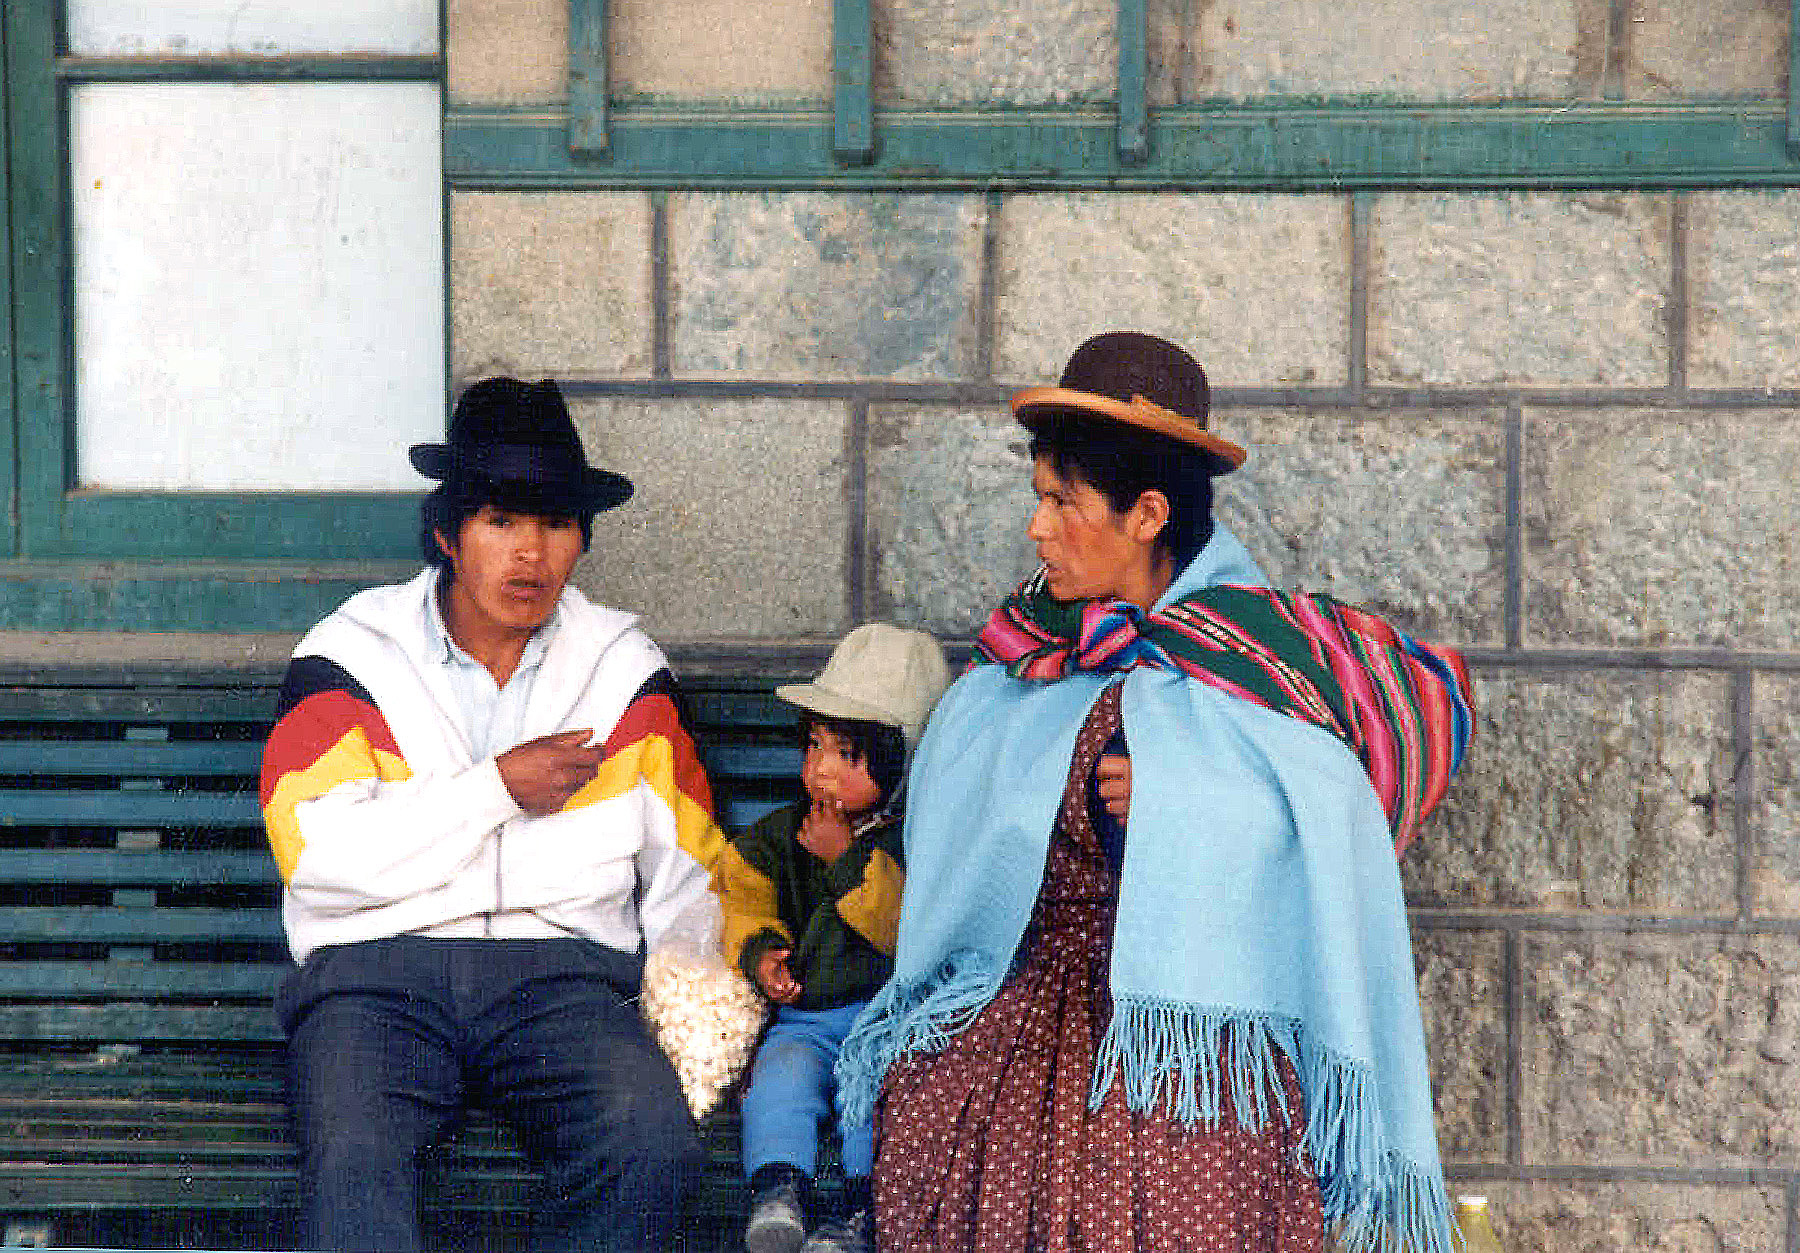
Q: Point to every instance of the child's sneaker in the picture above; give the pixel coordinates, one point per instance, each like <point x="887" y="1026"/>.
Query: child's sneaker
<point x="776" y="1224"/>
<point x="849" y="1236"/>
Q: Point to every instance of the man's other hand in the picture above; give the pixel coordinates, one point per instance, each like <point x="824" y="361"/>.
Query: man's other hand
<point x="542" y="774"/>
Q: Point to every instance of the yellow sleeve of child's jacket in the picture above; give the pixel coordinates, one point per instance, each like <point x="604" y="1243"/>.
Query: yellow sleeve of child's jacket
<point x="872" y="907"/>
<point x="747" y="899"/>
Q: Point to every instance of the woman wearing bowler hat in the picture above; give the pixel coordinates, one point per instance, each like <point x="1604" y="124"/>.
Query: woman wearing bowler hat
<point x="1154" y="986"/>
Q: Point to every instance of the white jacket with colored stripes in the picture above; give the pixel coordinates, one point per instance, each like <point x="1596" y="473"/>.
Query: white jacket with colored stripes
<point x="383" y="822"/>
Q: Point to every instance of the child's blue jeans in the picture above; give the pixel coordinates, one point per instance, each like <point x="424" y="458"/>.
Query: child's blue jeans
<point x="792" y="1093"/>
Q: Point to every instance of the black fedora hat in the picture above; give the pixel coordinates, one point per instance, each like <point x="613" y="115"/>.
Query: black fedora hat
<point x="517" y="439"/>
<point x="1138" y="379"/>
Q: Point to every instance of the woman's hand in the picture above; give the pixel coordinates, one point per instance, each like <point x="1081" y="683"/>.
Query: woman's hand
<point x="825" y="831"/>
<point x="1113" y="773"/>
<point x="774" y="978"/>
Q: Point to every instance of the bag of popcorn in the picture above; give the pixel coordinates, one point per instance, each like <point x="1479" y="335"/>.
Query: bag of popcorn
<point x="705" y="1016"/>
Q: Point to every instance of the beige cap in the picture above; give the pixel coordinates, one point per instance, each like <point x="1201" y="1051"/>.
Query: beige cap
<point x="878" y="673"/>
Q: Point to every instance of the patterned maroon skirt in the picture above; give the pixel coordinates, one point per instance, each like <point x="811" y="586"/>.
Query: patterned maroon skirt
<point x="990" y="1146"/>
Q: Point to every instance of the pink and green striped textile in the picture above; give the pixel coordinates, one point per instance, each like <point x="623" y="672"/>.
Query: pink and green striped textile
<point x="1402" y="706"/>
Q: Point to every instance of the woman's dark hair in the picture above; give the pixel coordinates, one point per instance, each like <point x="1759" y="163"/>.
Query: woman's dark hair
<point x="454" y="501"/>
<point x="880" y="747"/>
<point x="1122" y="462"/>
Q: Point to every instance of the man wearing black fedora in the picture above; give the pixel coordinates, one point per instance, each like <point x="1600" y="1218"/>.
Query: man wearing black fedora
<point x="485" y="809"/>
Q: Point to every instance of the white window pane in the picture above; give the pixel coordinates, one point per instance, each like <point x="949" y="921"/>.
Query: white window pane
<point x="258" y="283"/>
<point x="258" y="27"/>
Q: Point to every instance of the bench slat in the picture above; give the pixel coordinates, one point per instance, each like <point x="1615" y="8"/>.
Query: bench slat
<point x="136" y="867"/>
<point x="133" y="810"/>
<point x="137" y="706"/>
<point x="99" y="807"/>
<point x="231" y="758"/>
<point x="203" y="1080"/>
<point x="751" y="761"/>
<point x="171" y="1122"/>
<point x="128" y="809"/>
<point x="89" y="1187"/>
<point x="76" y="1118"/>
<point x="186" y="980"/>
<point x="739" y="710"/>
<point x="273" y="1149"/>
<point x="740" y="812"/>
<point x="118" y="924"/>
<point x="130" y="758"/>
<point x="201" y="1155"/>
<point x="92" y="1186"/>
<point x="54" y="1024"/>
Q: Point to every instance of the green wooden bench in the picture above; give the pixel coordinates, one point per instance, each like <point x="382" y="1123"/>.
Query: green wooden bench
<point x="141" y="944"/>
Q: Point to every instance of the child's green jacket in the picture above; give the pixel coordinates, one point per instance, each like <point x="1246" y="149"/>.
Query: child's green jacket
<point x="839" y="919"/>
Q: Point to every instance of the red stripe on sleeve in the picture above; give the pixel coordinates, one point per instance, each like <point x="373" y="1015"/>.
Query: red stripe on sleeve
<point x="654" y="713"/>
<point x="313" y="727"/>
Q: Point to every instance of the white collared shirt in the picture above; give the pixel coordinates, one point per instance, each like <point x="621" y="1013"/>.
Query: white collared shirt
<point x="493" y="717"/>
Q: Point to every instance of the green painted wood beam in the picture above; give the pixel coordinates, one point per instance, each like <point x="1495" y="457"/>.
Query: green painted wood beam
<point x="853" y="88"/>
<point x="8" y="400"/>
<point x="1325" y="146"/>
<point x="1793" y="83"/>
<point x="128" y="596"/>
<point x="233" y="69"/>
<point x="1134" y="70"/>
<point x="37" y="179"/>
<point x="587" y="128"/>
<point x="246" y="526"/>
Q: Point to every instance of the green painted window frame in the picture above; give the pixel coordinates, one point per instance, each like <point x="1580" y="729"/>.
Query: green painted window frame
<point x="1793" y="80"/>
<point x="49" y="518"/>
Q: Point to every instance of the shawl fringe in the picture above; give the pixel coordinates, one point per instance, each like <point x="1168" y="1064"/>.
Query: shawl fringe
<point x="1189" y="1060"/>
<point x="922" y="1017"/>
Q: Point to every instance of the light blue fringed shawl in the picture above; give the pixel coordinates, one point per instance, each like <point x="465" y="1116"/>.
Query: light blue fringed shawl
<point x="1259" y="909"/>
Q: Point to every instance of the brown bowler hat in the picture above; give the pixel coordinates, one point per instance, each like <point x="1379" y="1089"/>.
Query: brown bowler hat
<point x="1127" y="376"/>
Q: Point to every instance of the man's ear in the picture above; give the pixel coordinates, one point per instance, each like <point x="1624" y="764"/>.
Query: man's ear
<point x="1148" y="515"/>
<point x="444" y="545"/>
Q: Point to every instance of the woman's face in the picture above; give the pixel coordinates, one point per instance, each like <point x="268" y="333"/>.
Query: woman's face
<point x="1087" y="547"/>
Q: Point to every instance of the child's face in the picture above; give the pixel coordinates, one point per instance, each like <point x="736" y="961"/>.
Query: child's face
<point x="835" y="777"/>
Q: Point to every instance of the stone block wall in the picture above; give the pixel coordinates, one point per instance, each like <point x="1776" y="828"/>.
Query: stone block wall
<point x="1560" y="429"/>
<point x="931" y="52"/>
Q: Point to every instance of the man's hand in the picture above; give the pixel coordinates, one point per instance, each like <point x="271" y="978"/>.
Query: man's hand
<point x="775" y="979"/>
<point x="825" y="831"/>
<point x="543" y="774"/>
<point x="1114" y="774"/>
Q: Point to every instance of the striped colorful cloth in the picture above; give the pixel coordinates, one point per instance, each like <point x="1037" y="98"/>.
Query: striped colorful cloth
<point x="1402" y="706"/>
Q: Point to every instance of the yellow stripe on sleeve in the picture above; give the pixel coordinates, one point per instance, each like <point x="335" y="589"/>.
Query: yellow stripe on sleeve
<point x="652" y="759"/>
<point x="349" y="760"/>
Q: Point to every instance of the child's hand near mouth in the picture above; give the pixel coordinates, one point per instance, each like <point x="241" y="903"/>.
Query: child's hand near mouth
<point x="825" y="831"/>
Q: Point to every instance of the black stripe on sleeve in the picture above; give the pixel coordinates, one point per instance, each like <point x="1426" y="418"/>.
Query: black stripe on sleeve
<point x="310" y="675"/>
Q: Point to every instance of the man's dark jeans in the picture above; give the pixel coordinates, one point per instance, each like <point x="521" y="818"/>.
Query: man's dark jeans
<point x="389" y="1040"/>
